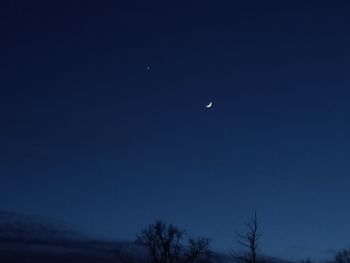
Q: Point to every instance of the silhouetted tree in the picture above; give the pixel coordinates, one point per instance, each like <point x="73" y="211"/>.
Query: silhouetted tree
<point x="249" y="240"/>
<point x="164" y="244"/>
<point x="199" y="251"/>
<point x="342" y="256"/>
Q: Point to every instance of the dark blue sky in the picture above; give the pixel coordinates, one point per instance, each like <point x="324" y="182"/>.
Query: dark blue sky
<point x="90" y="136"/>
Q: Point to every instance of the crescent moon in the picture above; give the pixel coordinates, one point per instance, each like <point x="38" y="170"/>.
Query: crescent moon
<point x="209" y="105"/>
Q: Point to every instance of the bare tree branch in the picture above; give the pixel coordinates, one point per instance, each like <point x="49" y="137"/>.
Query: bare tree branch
<point x="162" y="241"/>
<point x="164" y="244"/>
<point x="249" y="240"/>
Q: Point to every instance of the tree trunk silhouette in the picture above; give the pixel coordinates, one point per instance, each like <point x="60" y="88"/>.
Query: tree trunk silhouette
<point x="250" y="240"/>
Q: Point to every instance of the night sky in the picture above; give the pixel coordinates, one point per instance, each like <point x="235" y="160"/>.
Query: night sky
<point x="91" y="136"/>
